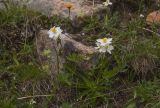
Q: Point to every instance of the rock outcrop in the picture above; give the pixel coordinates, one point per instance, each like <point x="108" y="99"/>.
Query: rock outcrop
<point x="60" y="7"/>
<point x="54" y="59"/>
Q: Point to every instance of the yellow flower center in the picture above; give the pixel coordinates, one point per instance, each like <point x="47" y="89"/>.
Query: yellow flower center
<point x="104" y="40"/>
<point x="53" y="29"/>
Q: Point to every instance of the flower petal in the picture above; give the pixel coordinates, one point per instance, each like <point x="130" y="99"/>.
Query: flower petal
<point x="103" y="50"/>
<point x="109" y="40"/>
<point x="110" y="48"/>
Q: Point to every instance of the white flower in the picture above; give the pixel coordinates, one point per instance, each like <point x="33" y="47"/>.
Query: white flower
<point x="141" y="16"/>
<point x="104" y="45"/>
<point x="55" y="33"/>
<point x="104" y="41"/>
<point x="107" y="3"/>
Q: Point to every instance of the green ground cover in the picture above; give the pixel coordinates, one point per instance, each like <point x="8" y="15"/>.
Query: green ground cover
<point x="128" y="78"/>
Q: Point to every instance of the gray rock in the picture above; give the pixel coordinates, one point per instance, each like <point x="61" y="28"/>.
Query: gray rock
<point x="52" y="7"/>
<point x="68" y="46"/>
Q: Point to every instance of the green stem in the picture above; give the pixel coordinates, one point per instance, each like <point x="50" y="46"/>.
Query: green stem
<point x="57" y="57"/>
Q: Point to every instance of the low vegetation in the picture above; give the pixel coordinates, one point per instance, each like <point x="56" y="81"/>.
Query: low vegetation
<point x="127" y="78"/>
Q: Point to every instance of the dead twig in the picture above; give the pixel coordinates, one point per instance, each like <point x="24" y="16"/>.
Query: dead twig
<point x="149" y="30"/>
<point x="26" y="97"/>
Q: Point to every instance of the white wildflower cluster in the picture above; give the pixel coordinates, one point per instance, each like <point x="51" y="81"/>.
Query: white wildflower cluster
<point x="107" y="3"/>
<point x="103" y="45"/>
<point x="55" y="33"/>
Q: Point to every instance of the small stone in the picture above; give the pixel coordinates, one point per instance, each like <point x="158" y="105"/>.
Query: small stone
<point x="153" y="18"/>
<point x="83" y="34"/>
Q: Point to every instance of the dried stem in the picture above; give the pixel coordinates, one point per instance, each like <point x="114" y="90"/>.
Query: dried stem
<point x="26" y="97"/>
